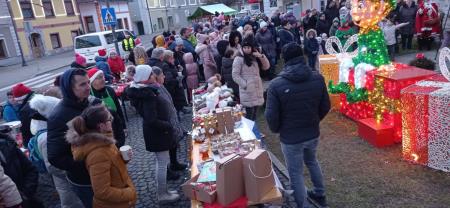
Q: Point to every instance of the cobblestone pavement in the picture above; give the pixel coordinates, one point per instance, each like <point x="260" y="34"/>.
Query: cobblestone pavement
<point x="142" y="170"/>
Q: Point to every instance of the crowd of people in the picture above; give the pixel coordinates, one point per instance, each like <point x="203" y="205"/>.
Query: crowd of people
<point x="74" y="129"/>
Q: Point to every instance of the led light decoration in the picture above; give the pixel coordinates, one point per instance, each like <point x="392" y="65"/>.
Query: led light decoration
<point x="426" y="119"/>
<point x="367" y="14"/>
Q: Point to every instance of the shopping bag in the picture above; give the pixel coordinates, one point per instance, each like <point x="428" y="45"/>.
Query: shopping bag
<point x="258" y="175"/>
<point x="229" y="179"/>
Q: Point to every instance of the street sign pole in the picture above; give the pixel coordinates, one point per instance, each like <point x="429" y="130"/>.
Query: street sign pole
<point x="114" y="32"/>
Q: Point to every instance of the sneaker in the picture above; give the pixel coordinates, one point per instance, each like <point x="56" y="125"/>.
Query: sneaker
<point x="319" y="201"/>
<point x="178" y="166"/>
<point x="172" y="176"/>
<point x="168" y="197"/>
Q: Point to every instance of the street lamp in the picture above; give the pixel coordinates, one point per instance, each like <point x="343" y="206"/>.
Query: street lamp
<point x="8" y="3"/>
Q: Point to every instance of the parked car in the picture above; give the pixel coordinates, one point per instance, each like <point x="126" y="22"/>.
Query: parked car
<point x="88" y="44"/>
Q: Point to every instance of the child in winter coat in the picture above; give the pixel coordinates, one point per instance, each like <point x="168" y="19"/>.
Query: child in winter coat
<point x="116" y="64"/>
<point x="227" y="68"/>
<point x="311" y="47"/>
<point x="334" y="27"/>
<point x="389" y="29"/>
<point x="322" y="40"/>
<point x="192" y="73"/>
<point x="101" y="62"/>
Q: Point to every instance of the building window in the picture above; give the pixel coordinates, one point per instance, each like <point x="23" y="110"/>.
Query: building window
<point x="125" y="20"/>
<point x="56" y="42"/>
<point x="322" y="5"/>
<point x="173" y="3"/>
<point x="69" y="7"/>
<point x="153" y="3"/>
<point x="192" y="2"/>
<point x="48" y="8"/>
<point x="160" y="23"/>
<point x="201" y="2"/>
<point x="170" y="21"/>
<point x="27" y="9"/>
<point x="162" y="3"/>
<point x="181" y="2"/>
<point x="90" y="25"/>
<point x="3" y="49"/>
<point x="119" y="24"/>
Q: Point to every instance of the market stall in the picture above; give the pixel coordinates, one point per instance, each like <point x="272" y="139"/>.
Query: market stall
<point x="211" y="10"/>
<point x="228" y="166"/>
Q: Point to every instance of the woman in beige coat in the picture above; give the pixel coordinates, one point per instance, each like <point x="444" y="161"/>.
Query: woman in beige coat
<point x="245" y="73"/>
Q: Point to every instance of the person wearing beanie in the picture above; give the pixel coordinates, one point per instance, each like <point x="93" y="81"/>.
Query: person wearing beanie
<point x="80" y="62"/>
<point x="111" y="101"/>
<point x="178" y="53"/>
<point x="22" y="95"/>
<point x="128" y="43"/>
<point x="206" y="55"/>
<point x="44" y="105"/>
<point x="75" y="87"/>
<point x="144" y="94"/>
<point x="101" y="62"/>
<point x="264" y="38"/>
<point x="116" y="64"/>
<point x="246" y="68"/>
<point x="334" y="27"/>
<point x="298" y="85"/>
<point x="344" y="32"/>
<point x="159" y="40"/>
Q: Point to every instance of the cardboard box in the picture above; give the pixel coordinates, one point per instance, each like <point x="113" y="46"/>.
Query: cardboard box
<point x="274" y="197"/>
<point x="196" y="193"/>
<point x="230" y="179"/>
<point x="258" y="174"/>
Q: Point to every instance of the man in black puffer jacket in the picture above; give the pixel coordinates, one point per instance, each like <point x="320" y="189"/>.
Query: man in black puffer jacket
<point x="297" y="100"/>
<point x="75" y="88"/>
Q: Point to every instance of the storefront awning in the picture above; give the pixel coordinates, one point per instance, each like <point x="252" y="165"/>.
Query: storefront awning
<point x="211" y="9"/>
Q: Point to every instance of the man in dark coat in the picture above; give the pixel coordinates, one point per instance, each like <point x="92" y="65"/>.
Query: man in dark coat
<point x="285" y="35"/>
<point x="332" y="10"/>
<point x="17" y="166"/>
<point x="407" y="13"/>
<point x="22" y="94"/>
<point x="297" y="100"/>
<point x="75" y="88"/>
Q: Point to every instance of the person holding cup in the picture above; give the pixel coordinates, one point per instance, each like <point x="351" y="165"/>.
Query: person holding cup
<point x="92" y="141"/>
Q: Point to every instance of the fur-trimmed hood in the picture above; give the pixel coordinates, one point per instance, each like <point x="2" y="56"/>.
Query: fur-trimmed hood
<point x="200" y="48"/>
<point x="84" y="144"/>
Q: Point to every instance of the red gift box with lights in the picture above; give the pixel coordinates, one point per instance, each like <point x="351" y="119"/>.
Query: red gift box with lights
<point x="426" y="120"/>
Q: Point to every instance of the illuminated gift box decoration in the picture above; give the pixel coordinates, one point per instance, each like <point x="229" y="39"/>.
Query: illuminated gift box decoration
<point x="426" y="120"/>
<point x="329" y="68"/>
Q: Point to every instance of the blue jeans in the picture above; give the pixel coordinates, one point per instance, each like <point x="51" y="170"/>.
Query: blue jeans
<point x="295" y="155"/>
<point x="84" y="192"/>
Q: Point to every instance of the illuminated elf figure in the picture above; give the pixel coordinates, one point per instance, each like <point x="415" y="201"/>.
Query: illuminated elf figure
<point x="371" y="46"/>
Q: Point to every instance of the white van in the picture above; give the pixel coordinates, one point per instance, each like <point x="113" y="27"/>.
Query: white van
<point x="88" y="44"/>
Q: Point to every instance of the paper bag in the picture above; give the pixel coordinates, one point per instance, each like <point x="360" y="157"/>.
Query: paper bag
<point x="195" y="193"/>
<point x="230" y="179"/>
<point x="258" y="175"/>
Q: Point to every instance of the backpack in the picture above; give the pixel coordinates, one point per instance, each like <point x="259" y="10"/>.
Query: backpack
<point x="35" y="155"/>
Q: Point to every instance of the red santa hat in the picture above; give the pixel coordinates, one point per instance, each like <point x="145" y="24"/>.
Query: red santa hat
<point x="93" y="74"/>
<point x="80" y="59"/>
<point x="102" y="53"/>
<point x="20" y="91"/>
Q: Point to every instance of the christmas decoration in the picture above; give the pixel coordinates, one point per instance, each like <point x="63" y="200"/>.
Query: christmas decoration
<point x="329" y="68"/>
<point x="367" y="14"/>
<point x="426" y="119"/>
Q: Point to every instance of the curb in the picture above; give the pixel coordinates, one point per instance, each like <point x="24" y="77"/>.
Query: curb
<point x="50" y="70"/>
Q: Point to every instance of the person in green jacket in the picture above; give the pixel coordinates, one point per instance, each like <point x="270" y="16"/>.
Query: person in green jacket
<point x="344" y="32"/>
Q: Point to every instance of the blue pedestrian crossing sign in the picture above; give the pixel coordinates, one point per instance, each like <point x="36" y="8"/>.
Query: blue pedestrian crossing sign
<point x="109" y="16"/>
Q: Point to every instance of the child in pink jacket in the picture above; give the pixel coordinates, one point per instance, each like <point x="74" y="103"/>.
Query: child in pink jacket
<point x="192" y="73"/>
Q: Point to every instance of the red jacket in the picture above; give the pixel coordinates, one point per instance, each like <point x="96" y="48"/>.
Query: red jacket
<point x="428" y="22"/>
<point x="116" y="65"/>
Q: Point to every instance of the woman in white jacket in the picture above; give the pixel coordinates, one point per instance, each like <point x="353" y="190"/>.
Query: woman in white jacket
<point x="44" y="106"/>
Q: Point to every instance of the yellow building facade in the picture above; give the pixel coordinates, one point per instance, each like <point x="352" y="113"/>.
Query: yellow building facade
<point x="46" y="27"/>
